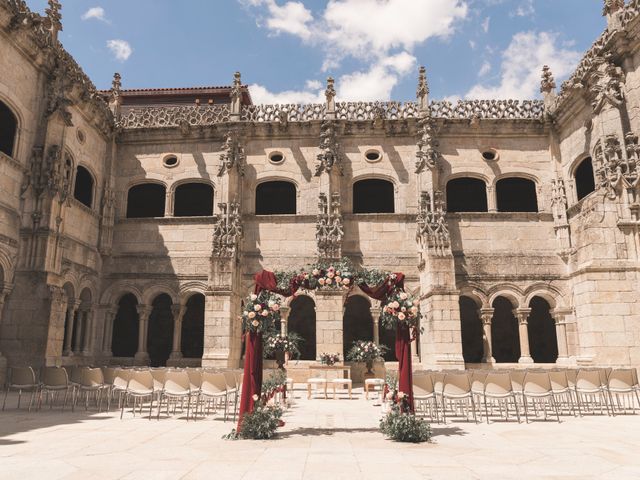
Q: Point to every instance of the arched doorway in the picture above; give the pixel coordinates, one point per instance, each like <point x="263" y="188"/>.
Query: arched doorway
<point x="124" y="341"/>
<point x="543" y="342"/>
<point x="471" y="330"/>
<point x="160" y="336"/>
<point x="357" y="322"/>
<point x="192" y="341"/>
<point x="583" y="176"/>
<point x="505" y="339"/>
<point x="302" y="320"/>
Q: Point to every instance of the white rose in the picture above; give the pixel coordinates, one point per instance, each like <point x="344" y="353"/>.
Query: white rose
<point x="255" y="397"/>
<point x="403" y="295"/>
<point x="264" y="313"/>
<point x="321" y="281"/>
<point x="251" y="314"/>
<point x="328" y="281"/>
<point x="345" y="281"/>
<point x="253" y="297"/>
<point x="315" y="272"/>
<point x="255" y="323"/>
<point x="395" y="304"/>
<point x="257" y="308"/>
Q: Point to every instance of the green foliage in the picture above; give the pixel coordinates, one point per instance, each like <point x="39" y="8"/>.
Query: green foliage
<point x="261" y="424"/>
<point x="277" y="379"/>
<point x="276" y="342"/>
<point x="372" y="278"/>
<point x="260" y="312"/>
<point x="400" y="307"/>
<point x="405" y="427"/>
<point x="363" y="351"/>
<point x="391" y="380"/>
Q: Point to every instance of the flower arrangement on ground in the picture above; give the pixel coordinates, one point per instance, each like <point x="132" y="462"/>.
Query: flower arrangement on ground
<point x="367" y="352"/>
<point x="278" y="344"/>
<point x="274" y="384"/>
<point x="329" y="358"/>
<point x="261" y="423"/>
<point x="401" y="425"/>
<point x="400" y="308"/>
<point x="260" y="312"/>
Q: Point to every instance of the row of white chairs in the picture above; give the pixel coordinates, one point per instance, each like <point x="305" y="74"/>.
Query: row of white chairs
<point x="560" y="391"/>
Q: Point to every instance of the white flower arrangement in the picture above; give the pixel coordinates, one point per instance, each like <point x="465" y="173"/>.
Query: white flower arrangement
<point x="400" y="307"/>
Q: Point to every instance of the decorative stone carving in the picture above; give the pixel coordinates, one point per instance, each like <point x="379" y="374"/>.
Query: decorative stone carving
<point x="329" y="155"/>
<point x="330" y="95"/>
<point x="55" y="18"/>
<point x="107" y="220"/>
<point x="227" y="232"/>
<point x="58" y="89"/>
<point x="611" y="166"/>
<point x="49" y="173"/>
<point x="559" y="210"/>
<point x="167" y="117"/>
<point x="427" y="154"/>
<point x="548" y="83"/>
<point x="329" y="227"/>
<point x="422" y="92"/>
<point x="606" y="85"/>
<point x="115" y="93"/>
<point x="236" y="96"/>
<point x="432" y="233"/>
<point x="488" y="109"/>
<point x="233" y="155"/>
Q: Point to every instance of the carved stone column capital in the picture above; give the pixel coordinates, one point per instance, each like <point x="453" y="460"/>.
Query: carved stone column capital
<point x="522" y="314"/>
<point x="144" y="311"/>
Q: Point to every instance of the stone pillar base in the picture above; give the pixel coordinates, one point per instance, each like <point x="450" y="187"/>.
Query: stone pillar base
<point x="565" y="361"/>
<point x="217" y="361"/>
<point x="141" y="358"/>
<point x="525" y="360"/>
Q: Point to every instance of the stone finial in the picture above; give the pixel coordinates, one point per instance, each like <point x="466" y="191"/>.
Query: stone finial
<point x="610" y="10"/>
<point x="55" y="17"/>
<point x="422" y="93"/>
<point x="548" y="84"/>
<point x="330" y="96"/>
<point x="236" y="95"/>
<point x="116" y="85"/>
<point x="114" y="94"/>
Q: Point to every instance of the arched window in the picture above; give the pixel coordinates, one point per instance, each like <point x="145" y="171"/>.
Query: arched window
<point x="585" y="183"/>
<point x="124" y="342"/>
<point x="192" y="339"/>
<point x="8" y="130"/>
<point x="466" y="195"/>
<point x="160" y="331"/>
<point x="471" y="329"/>
<point x="373" y="196"/>
<point x="83" y="190"/>
<point x="516" y="195"/>
<point x="302" y="320"/>
<point x="505" y="338"/>
<point x="275" y="198"/>
<point x="357" y="322"/>
<point x="543" y="342"/>
<point x="146" y="200"/>
<point x="193" y="200"/>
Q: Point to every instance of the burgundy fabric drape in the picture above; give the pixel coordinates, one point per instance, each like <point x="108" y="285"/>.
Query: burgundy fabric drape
<point x="380" y="292"/>
<point x="403" y="355"/>
<point x="264" y="280"/>
<point x="252" y="379"/>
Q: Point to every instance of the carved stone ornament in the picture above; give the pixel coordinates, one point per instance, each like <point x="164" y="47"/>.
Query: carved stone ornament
<point x="559" y="210"/>
<point x="232" y="155"/>
<point x="612" y="6"/>
<point x="422" y="92"/>
<point x="606" y="85"/>
<point x="49" y="173"/>
<point x="330" y="95"/>
<point x="616" y="164"/>
<point x="329" y="156"/>
<point x="227" y="232"/>
<point x="548" y="83"/>
<point x="432" y="233"/>
<point x="329" y="228"/>
<point x="427" y="155"/>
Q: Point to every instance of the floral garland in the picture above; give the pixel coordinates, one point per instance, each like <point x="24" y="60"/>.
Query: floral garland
<point x="278" y="342"/>
<point x="329" y="358"/>
<point x="364" y="351"/>
<point x="260" y="312"/>
<point x="400" y="308"/>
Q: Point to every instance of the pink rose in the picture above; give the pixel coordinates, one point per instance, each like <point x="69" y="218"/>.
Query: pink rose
<point x="275" y="307"/>
<point x="401" y="316"/>
<point x="265" y="313"/>
<point x="253" y="297"/>
<point x="328" y="281"/>
<point x="255" y="323"/>
<point x="403" y="295"/>
<point x="345" y="281"/>
<point x="257" y="307"/>
<point x="331" y="275"/>
<point x="251" y="314"/>
<point x="321" y="281"/>
<point x="315" y="272"/>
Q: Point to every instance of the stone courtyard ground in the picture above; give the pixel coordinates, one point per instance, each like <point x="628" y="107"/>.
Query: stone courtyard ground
<point x="323" y="439"/>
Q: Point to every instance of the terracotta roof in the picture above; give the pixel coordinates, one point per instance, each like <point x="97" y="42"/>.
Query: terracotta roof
<point x="182" y="91"/>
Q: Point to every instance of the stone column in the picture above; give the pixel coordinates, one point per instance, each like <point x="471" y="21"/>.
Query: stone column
<point x="88" y="332"/>
<point x="284" y="319"/>
<point x="72" y="308"/>
<point x="329" y="313"/>
<point x="375" y="314"/>
<point x="141" y="356"/>
<point x="561" y="334"/>
<point x="178" y="314"/>
<point x="76" y="346"/>
<point x="486" y="316"/>
<point x="522" y="314"/>
<point x="3" y="360"/>
<point x="107" y="338"/>
<point x="492" y="204"/>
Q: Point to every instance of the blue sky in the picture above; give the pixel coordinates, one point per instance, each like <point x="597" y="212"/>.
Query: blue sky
<point x="286" y="49"/>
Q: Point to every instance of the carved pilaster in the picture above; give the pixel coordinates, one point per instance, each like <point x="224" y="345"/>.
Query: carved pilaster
<point x="329" y="156"/>
<point x="606" y="85"/>
<point x="330" y="96"/>
<point x="236" y="97"/>
<point x="559" y="210"/>
<point x="522" y="314"/>
<point x="232" y="155"/>
<point x="115" y="95"/>
<point x="422" y="92"/>
<point x="432" y="234"/>
<point x="329" y="227"/>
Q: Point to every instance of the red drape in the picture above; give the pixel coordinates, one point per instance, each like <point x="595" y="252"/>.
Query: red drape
<point x="380" y="292"/>
<point x="403" y="354"/>
<point x="252" y="379"/>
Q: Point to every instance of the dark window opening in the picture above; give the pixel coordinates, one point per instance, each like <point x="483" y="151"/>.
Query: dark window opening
<point x="516" y="195"/>
<point x="489" y="155"/>
<point x="275" y="198"/>
<point x="171" y="161"/>
<point x="373" y="155"/>
<point x="471" y="329"/>
<point x="276" y="157"/>
<point x="8" y="129"/>
<point x="160" y="333"/>
<point x="543" y="342"/>
<point x="373" y="196"/>
<point x="124" y="342"/>
<point x="302" y="320"/>
<point x="466" y="195"/>
<point x="357" y="322"/>
<point x="192" y="341"/>
<point x="146" y="201"/>
<point x="505" y="337"/>
<point x="585" y="183"/>
<point x="83" y="190"/>
<point x="193" y="200"/>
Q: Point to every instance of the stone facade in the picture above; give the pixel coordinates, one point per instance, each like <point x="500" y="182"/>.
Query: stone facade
<point x="69" y="262"/>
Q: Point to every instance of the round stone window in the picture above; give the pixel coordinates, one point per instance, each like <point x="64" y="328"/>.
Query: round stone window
<point x="170" y="161"/>
<point x="276" y="158"/>
<point x="490" y="154"/>
<point x="373" y="155"/>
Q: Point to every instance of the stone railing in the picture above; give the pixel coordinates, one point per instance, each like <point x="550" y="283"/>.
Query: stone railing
<point x="375" y="110"/>
<point x="162" y="117"/>
<point x="631" y="11"/>
<point x="283" y="113"/>
<point x="488" y="109"/>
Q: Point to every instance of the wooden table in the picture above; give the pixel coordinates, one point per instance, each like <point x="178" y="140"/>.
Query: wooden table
<point x="325" y="369"/>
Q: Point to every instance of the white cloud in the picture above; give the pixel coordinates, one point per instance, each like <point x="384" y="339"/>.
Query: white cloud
<point x="485" y="24"/>
<point x="120" y="49"/>
<point x="522" y="63"/>
<point x="525" y="9"/>
<point x="260" y="94"/>
<point x="96" y="13"/>
<point x="484" y="69"/>
<point x="292" y="18"/>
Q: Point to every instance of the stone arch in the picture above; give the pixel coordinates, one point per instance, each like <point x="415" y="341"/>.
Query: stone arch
<point x="516" y="192"/>
<point x="10" y="127"/>
<point x="180" y="197"/>
<point x="554" y="296"/>
<point x="266" y="191"/>
<point x="112" y="294"/>
<point x="541" y="327"/>
<point x="471" y="330"/>
<point x="505" y="336"/>
<point x="509" y="291"/>
<point x="84" y="186"/>
<point x="302" y="320"/>
<point x="152" y="291"/>
<point x="357" y="321"/>
<point x="466" y="194"/>
<point x="582" y="175"/>
<point x="146" y="200"/>
<point x="124" y="339"/>
<point x="373" y="194"/>
<point x="192" y="333"/>
<point x="160" y="328"/>
<point x="6" y="264"/>
<point x="191" y="288"/>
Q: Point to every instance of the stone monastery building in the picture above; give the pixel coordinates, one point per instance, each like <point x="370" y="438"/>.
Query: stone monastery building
<point x="132" y="221"/>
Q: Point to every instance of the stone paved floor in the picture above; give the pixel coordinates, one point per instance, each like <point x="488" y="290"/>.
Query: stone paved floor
<point x="324" y="439"/>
